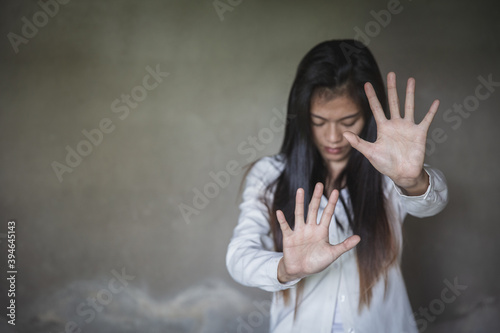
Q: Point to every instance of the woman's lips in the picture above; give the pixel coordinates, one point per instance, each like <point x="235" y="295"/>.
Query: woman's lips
<point x="334" y="151"/>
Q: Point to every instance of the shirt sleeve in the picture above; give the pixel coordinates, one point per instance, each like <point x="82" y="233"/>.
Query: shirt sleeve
<point x="251" y="259"/>
<point x="431" y="202"/>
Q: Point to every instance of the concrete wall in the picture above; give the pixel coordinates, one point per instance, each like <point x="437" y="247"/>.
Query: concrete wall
<point x="116" y="211"/>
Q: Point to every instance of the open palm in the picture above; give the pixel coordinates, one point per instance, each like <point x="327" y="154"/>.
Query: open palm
<point x="399" y="150"/>
<point x="306" y="249"/>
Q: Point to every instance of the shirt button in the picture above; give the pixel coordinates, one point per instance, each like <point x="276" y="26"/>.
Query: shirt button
<point x="342" y="298"/>
<point x="351" y="330"/>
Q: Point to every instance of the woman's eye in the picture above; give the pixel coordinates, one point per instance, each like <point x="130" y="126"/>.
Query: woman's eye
<point x="318" y="124"/>
<point x="349" y="123"/>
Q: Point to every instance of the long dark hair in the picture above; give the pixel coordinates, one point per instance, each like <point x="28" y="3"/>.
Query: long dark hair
<point x="339" y="67"/>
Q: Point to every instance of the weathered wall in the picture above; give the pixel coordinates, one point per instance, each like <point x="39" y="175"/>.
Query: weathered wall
<point x="118" y="208"/>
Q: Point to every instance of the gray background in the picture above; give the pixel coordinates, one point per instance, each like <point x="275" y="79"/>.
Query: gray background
<point x="119" y="208"/>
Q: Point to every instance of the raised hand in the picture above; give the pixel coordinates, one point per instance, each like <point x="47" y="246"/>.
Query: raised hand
<point x="399" y="150"/>
<point x="306" y="249"/>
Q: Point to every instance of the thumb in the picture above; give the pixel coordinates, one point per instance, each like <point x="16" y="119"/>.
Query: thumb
<point x="345" y="246"/>
<point x="357" y="143"/>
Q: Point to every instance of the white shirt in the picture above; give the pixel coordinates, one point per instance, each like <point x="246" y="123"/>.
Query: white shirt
<point x="252" y="261"/>
<point x="337" y="326"/>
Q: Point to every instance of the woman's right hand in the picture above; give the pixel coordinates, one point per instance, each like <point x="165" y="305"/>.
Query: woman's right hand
<point x="306" y="249"/>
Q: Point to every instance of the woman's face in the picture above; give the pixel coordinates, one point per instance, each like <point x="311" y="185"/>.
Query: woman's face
<point x="329" y="120"/>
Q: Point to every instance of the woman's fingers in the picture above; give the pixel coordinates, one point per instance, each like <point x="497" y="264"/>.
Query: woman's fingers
<point x="346" y="245"/>
<point x="329" y="209"/>
<point x="410" y="100"/>
<point x="363" y="146"/>
<point x="299" y="209"/>
<point x="285" y="228"/>
<point x="378" y="112"/>
<point x="393" y="96"/>
<point x="312" y="213"/>
<point x="430" y="115"/>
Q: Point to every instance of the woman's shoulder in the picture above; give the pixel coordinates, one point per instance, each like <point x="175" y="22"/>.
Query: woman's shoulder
<point x="267" y="168"/>
<point x="276" y="161"/>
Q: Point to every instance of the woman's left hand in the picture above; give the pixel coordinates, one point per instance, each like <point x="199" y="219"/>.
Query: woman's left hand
<point x="399" y="150"/>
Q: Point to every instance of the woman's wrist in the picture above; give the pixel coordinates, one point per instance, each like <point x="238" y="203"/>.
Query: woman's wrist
<point x="420" y="186"/>
<point x="283" y="277"/>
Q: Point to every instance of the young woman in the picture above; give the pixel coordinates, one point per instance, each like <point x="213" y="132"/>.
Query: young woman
<point x="303" y="254"/>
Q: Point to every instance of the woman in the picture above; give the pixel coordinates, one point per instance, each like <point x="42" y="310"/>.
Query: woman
<point x="303" y="254"/>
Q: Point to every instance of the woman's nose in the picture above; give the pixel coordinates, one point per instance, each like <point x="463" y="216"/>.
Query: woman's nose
<point x="333" y="133"/>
